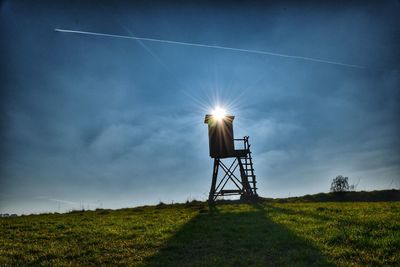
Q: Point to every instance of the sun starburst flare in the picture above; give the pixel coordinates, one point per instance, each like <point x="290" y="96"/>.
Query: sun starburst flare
<point x="219" y="113"/>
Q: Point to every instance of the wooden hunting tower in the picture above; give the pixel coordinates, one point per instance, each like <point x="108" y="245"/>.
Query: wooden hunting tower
<point x="222" y="146"/>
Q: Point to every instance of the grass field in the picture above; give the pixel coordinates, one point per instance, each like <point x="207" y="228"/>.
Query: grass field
<point x="230" y="234"/>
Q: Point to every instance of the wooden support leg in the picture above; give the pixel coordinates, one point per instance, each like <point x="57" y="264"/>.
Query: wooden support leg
<point x="214" y="181"/>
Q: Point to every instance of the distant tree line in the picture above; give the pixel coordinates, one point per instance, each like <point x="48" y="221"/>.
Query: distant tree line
<point x="8" y="215"/>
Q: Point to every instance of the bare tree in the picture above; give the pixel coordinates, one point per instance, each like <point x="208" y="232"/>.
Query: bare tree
<point x="340" y="184"/>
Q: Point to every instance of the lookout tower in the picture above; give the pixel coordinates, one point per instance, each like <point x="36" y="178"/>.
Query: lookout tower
<point x="222" y="146"/>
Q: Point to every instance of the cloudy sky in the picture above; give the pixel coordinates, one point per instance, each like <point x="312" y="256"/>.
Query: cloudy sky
<point x="104" y="122"/>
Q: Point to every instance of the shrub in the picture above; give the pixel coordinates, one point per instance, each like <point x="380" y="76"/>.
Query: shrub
<point x="340" y="184"/>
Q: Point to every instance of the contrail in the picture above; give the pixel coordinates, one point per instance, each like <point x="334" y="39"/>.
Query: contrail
<point x="213" y="46"/>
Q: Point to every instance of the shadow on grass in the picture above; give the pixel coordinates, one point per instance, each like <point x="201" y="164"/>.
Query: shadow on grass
<point x="221" y="237"/>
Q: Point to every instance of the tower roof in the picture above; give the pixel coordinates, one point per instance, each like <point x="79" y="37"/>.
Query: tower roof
<point x="209" y="117"/>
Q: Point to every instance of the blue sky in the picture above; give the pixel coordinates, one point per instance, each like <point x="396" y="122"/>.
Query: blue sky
<point x="104" y="122"/>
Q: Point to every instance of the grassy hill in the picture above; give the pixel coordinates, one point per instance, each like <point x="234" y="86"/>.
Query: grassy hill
<point x="268" y="233"/>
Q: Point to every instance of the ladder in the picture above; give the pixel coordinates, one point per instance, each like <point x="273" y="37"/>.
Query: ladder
<point x="248" y="168"/>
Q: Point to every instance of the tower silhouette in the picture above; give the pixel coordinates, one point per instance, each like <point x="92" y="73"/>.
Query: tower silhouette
<point x="222" y="148"/>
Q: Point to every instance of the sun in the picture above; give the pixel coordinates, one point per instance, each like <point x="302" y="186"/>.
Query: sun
<point x="219" y="113"/>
